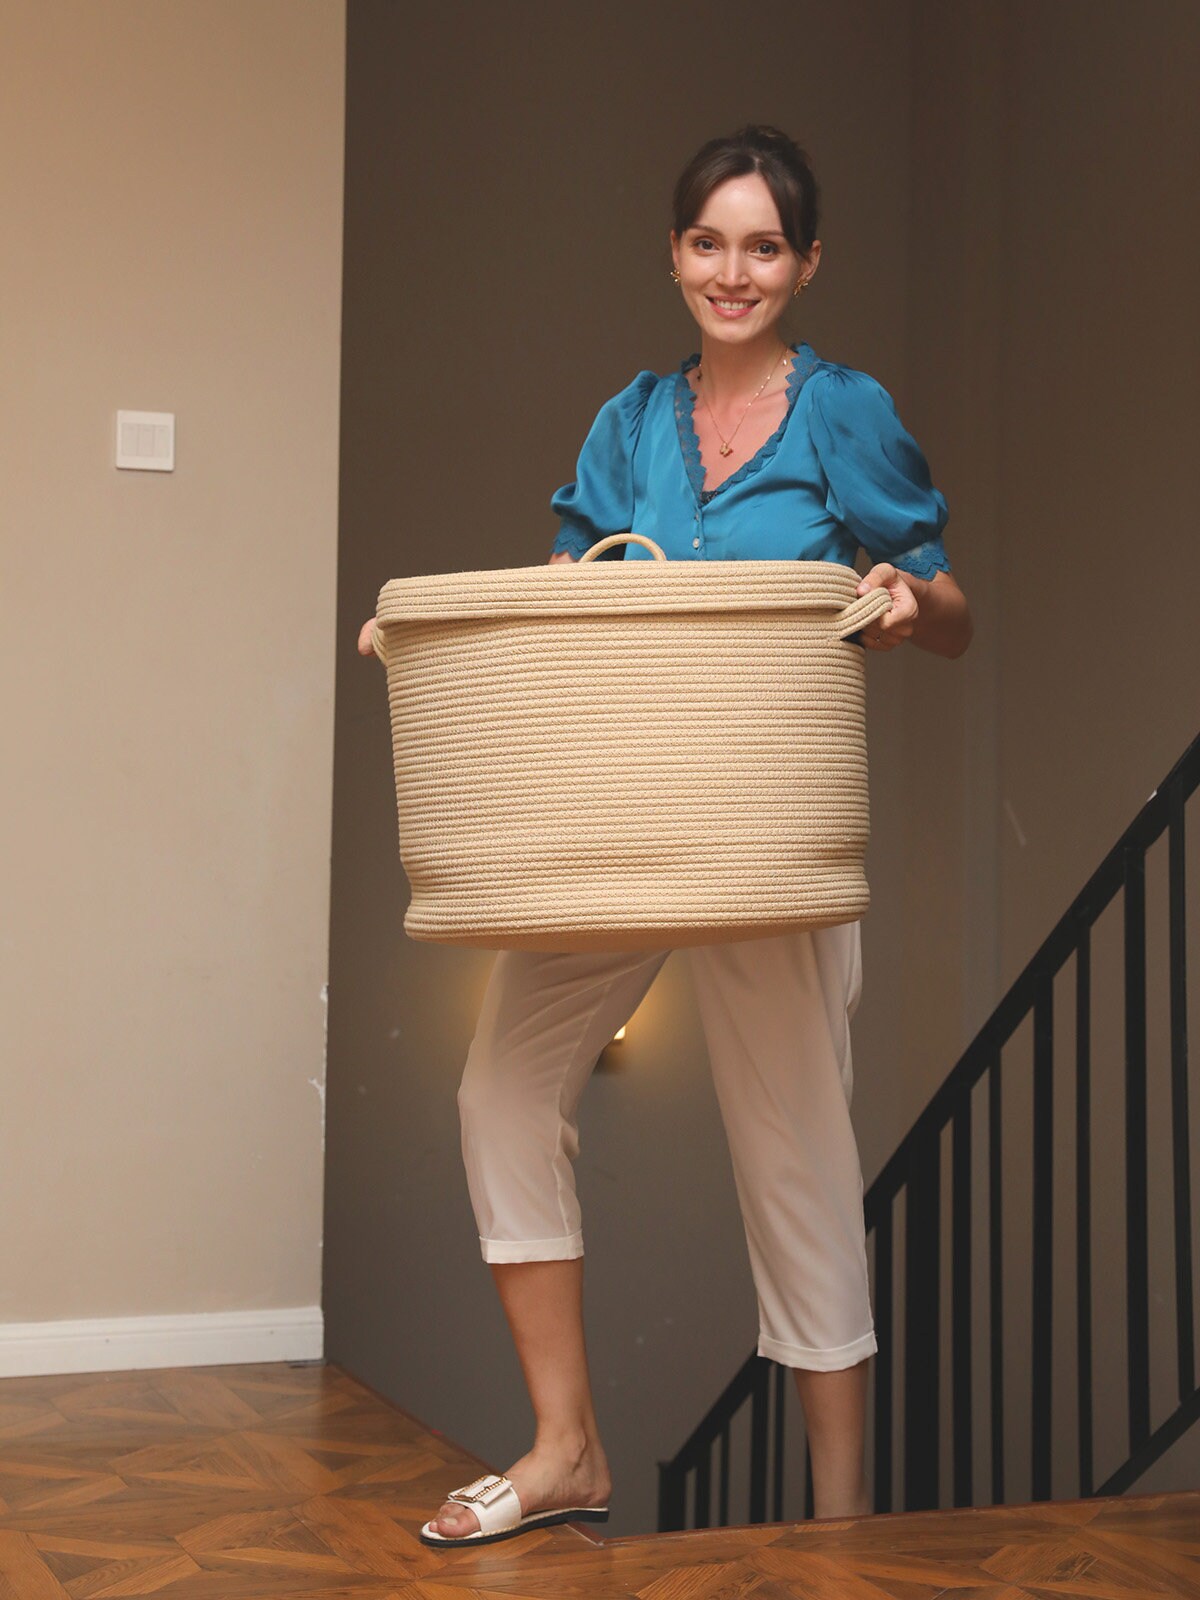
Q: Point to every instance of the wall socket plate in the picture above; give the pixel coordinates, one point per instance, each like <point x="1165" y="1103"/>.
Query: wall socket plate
<point x="146" y="440"/>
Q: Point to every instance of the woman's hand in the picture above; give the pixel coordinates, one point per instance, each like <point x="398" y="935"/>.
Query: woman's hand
<point x="896" y="625"/>
<point x="932" y="612"/>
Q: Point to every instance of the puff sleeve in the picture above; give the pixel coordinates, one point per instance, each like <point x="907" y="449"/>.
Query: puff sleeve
<point x="879" y="485"/>
<point x="600" y="501"/>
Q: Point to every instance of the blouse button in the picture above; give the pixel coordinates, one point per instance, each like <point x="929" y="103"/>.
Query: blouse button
<point x="695" y="544"/>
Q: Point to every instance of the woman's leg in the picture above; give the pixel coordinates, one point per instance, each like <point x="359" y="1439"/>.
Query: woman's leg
<point x="835" y="1414"/>
<point x="776" y="1016"/>
<point x="544" y="1021"/>
<point x="543" y="1303"/>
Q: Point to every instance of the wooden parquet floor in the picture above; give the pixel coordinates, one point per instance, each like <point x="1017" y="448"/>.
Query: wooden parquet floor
<point x="254" y="1482"/>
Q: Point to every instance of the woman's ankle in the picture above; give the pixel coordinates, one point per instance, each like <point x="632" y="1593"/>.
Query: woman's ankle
<point x="844" y="1503"/>
<point x="574" y="1443"/>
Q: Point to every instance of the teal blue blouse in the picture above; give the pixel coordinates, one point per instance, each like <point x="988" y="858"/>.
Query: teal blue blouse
<point x="838" y="472"/>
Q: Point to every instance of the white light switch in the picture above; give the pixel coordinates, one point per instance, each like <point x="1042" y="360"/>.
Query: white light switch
<point x="146" y="440"/>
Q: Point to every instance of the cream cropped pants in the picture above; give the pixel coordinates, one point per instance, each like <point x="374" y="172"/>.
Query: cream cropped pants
<point x="776" y="1015"/>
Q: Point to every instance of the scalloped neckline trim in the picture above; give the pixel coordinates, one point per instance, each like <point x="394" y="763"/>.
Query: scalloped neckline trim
<point x="804" y="363"/>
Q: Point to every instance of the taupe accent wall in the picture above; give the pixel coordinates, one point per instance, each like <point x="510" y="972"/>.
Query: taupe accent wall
<point x="508" y="178"/>
<point x="172" y="182"/>
<point x="1054" y="351"/>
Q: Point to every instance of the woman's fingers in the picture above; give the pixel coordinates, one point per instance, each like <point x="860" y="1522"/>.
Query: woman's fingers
<point x="896" y="625"/>
<point x="881" y="576"/>
<point x="891" y="630"/>
<point x="365" y="635"/>
<point x="884" y="641"/>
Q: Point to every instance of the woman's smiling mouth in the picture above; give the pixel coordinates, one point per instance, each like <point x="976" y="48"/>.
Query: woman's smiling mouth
<point x="731" y="308"/>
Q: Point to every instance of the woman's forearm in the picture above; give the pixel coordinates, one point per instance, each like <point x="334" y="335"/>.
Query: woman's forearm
<point x="943" y="626"/>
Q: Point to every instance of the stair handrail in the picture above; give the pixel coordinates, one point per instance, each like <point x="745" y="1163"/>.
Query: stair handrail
<point x="1123" y="868"/>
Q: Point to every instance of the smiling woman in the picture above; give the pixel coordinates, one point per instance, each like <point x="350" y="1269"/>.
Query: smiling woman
<point x="744" y="239"/>
<point x="753" y="449"/>
<point x="743" y="245"/>
<point x="737" y="272"/>
<point x="756" y="449"/>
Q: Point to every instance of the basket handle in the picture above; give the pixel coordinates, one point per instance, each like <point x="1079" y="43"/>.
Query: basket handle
<point x="859" y="613"/>
<point x="623" y="538"/>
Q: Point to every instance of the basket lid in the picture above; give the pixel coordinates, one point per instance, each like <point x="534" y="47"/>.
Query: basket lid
<point x="598" y="588"/>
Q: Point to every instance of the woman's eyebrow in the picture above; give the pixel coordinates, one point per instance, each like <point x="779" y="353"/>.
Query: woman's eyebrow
<point x="755" y="233"/>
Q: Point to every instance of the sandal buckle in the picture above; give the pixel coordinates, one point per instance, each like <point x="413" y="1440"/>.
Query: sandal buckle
<point x="482" y="1492"/>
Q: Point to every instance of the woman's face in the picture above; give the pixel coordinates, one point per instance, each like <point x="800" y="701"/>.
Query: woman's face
<point x="736" y="269"/>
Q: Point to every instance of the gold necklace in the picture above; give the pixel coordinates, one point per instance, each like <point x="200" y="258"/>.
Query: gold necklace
<point x="727" y="444"/>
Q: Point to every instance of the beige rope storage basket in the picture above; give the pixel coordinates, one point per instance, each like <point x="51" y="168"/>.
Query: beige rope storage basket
<point x="626" y="755"/>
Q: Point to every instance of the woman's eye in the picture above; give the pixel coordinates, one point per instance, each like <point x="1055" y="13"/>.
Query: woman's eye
<point x="766" y="248"/>
<point x="704" y="244"/>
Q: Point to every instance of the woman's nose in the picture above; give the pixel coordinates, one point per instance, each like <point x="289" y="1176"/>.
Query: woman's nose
<point x="733" y="268"/>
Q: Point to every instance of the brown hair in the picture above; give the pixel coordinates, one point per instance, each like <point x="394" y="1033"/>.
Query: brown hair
<point x="780" y="161"/>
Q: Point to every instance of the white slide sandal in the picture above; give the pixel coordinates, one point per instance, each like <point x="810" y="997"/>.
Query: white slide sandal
<point x="494" y="1501"/>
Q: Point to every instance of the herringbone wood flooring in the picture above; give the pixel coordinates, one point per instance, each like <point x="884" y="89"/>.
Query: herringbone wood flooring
<point x="255" y="1482"/>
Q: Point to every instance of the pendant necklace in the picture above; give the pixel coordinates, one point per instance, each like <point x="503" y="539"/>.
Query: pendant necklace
<point x="727" y="444"/>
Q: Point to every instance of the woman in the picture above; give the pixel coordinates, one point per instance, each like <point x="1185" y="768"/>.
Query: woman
<point x="753" y="450"/>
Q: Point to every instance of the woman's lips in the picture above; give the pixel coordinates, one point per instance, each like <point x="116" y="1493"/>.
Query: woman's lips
<point x="731" y="309"/>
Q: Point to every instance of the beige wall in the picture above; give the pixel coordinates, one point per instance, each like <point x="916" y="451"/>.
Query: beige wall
<point x="172" y="181"/>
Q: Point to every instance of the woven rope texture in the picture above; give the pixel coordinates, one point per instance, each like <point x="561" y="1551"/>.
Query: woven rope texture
<point x="630" y="755"/>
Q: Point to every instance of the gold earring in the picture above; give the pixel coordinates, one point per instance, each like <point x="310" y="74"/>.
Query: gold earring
<point x="674" y="274"/>
<point x="801" y="285"/>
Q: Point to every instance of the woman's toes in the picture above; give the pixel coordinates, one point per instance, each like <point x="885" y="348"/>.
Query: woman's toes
<point x="455" y="1522"/>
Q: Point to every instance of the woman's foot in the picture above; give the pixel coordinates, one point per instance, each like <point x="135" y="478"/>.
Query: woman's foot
<point x="547" y="1479"/>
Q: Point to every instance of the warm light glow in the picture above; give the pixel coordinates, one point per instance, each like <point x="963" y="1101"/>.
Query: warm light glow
<point x="618" y="1036"/>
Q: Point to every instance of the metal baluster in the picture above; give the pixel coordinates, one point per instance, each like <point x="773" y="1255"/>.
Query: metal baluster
<point x="883" y="1361"/>
<point x="1180" y="1120"/>
<point x="922" y="1238"/>
<point x="996" y="1278"/>
<point x="1136" y="1204"/>
<point x="1043" y="1236"/>
<point x="702" y="1513"/>
<point x="758" y="1443"/>
<point x="1083" y="1206"/>
<point x="782" y="1377"/>
<point x="672" y="1497"/>
<point x="960" y="1303"/>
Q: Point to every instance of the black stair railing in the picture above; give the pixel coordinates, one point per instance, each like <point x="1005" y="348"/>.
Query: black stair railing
<point x="982" y="1228"/>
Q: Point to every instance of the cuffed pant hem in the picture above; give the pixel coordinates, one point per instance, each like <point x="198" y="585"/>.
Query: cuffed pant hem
<point x="502" y="1250"/>
<point x="795" y="1355"/>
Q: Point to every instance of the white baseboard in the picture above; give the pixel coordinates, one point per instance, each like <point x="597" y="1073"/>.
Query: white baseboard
<point x="120" y="1344"/>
